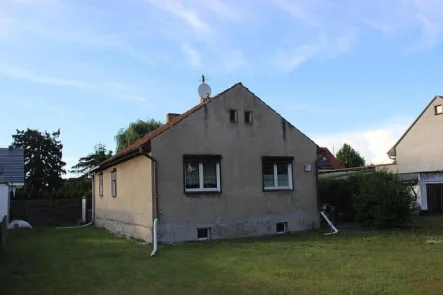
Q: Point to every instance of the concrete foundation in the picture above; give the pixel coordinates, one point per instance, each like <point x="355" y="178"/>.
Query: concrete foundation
<point x="182" y="231"/>
<point x="126" y="229"/>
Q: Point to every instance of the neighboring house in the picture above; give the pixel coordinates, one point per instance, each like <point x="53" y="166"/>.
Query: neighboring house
<point x="12" y="175"/>
<point x="327" y="160"/>
<point x="229" y="167"/>
<point x="418" y="154"/>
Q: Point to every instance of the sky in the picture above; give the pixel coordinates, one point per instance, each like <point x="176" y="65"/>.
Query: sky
<point x="339" y="70"/>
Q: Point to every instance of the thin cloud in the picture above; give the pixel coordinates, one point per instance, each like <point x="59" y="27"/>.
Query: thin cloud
<point x="109" y="89"/>
<point x="186" y="14"/>
<point x="192" y="55"/>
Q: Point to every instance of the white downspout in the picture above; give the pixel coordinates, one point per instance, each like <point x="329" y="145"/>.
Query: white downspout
<point x="334" y="229"/>
<point x="155" y="237"/>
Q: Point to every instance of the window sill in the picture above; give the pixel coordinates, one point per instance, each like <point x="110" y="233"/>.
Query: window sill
<point x="202" y="192"/>
<point x="277" y="189"/>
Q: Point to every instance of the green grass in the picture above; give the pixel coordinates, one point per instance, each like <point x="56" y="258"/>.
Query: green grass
<point x="92" y="261"/>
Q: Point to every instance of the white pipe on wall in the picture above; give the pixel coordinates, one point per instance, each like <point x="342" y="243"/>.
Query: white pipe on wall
<point x="334" y="229"/>
<point x="155" y="237"/>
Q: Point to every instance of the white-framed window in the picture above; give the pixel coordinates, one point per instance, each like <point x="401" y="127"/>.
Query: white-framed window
<point x="277" y="173"/>
<point x="439" y="109"/>
<point x="100" y="184"/>
<point x="201" y="173"/>
<point x="114" y="183"/>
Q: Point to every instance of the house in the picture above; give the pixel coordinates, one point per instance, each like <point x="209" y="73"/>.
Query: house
<point x="418" y="155"/>
<point x="12" y="176"/>
<point x="229" y="167"/>
<point x="327" y="160"/>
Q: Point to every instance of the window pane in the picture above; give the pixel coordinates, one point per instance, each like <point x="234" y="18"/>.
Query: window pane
<point x="114" y="188"/>
<point x="268" y="174"/>
<point x="192" y="179"/>
<point x="282" y="175"/>
<point x="209" y="175"/>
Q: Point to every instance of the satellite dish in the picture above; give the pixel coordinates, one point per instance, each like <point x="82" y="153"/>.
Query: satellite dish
<point x="204" y="90"/>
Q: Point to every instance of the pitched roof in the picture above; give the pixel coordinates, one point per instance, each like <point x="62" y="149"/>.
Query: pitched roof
<point x="392" y="151"/>
<point x="134" y="149"/>
<point x="332" y="161"/>
<point x="145" y="140"/>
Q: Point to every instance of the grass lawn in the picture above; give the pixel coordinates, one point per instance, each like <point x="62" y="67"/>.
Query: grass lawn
<point x="92" y="261"/>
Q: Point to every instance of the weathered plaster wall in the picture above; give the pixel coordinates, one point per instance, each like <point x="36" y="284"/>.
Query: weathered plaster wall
<point x="130" y="212"/>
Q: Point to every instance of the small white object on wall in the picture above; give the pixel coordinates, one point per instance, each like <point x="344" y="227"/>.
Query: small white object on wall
<point x="307" y="167"/>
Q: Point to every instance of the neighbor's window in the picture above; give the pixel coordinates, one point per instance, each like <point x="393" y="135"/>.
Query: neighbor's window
<point x="439" y="109"/>
<point x="248" y="117"/>
<point x="277" y="173"/>
<point x="114" y="183"/>
<point x="202" y="173"/>
<point x="233" y="116"/>
<point x="100" y="184"/>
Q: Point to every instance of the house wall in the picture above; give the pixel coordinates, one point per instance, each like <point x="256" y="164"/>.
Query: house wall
<point x="4" y="201"/>
<point x="130" y="212"/>
<point x="422" y="147"/>
<point x="242" y="208"/>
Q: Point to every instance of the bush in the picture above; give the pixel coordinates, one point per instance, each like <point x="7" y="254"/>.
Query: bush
<point x="382" y="201"/>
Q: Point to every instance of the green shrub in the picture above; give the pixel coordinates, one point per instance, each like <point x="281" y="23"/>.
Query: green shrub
<point x="382" y="201"/>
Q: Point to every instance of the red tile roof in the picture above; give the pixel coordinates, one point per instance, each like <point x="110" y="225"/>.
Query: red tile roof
<point x="144" y="141"/>
<point x="330" y="158"/>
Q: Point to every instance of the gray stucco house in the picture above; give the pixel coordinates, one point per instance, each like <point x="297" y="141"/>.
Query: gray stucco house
<point x="229" y="167"/>
<point x="12" y="176"/>
<point x="418" y="156"/>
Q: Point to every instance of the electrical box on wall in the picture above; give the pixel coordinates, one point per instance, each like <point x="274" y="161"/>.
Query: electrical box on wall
<point x="307" y="167"/>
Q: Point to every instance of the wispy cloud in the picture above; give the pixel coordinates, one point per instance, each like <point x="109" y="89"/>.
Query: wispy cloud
<point x="192" y="55"/>
<point x="112" y="89"/>
<point x="185" y="13"/>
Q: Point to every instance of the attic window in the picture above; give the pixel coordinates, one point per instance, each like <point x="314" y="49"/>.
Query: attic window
<point x="233" y="116"/>
<point x="248" y="117"/>
<point x="438" y="109"/>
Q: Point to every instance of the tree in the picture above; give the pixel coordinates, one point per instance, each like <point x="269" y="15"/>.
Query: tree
<point x="91" y="160"/>
<point x="135" y="131"/>
<point x="43" y="158"/>
<point x="349" y="157"/>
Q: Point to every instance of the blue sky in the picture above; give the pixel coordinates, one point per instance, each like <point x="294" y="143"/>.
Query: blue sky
<point x="339" y="70"/>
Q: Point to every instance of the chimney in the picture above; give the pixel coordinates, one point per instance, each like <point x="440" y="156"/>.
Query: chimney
<point x="11" y="148"/>
<point x="170" y="116"/>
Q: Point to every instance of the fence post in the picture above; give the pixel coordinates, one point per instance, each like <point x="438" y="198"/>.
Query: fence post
<point x="83" y="209"/>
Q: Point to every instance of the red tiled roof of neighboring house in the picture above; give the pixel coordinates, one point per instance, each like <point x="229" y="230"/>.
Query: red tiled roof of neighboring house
<point x="330" y="158"/>
<point x="133" y="148"/>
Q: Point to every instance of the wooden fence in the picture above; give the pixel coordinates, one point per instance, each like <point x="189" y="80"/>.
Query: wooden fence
<point x="48" y="212"/>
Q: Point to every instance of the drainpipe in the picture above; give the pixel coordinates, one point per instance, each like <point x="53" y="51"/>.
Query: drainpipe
<point x="334" y="229"/>
<point x="154" y="199"/>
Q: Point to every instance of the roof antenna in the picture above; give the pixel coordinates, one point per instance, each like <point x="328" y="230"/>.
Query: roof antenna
<point x="204" y="90"/>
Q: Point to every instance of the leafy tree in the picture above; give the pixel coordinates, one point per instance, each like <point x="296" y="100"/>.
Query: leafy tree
<point x="349" y="157"/>
<point x="91" y="160"/>
<point x="135" y="131"/>
<point x="43" y="158"/>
